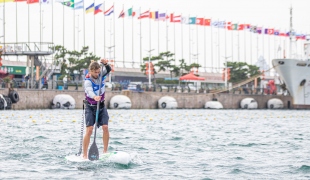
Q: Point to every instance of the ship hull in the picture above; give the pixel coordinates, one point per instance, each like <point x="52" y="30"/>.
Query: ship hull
<point x="296" y="76"/>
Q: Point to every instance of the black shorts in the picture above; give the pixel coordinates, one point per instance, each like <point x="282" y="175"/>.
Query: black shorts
<point x="90" y="116"/>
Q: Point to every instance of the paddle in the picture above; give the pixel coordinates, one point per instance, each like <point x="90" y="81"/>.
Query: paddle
<point x="93" y="153"/>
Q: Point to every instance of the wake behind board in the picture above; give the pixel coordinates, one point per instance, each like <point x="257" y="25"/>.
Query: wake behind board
<point x="115" y="157"/>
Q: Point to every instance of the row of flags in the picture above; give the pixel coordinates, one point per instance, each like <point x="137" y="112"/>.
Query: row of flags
<point x="156" y="15"/>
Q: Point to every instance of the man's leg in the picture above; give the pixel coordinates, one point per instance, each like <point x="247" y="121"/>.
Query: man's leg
<point x="89" y="131"/>
<point x="105" y="138"/>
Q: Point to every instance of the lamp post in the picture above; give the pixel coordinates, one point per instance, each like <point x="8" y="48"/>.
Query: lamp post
<point x="110" y="75"/>
<point x="226" y="70"/>
<point x="150" y="65"/>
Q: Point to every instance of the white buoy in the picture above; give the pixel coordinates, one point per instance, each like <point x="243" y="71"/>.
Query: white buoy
<point x="213" y="105"/>
<point x="248" y="103"/>
<point x="275" y="103"/>
<point x="120" y="102"/>
<point x="167" y="102"/>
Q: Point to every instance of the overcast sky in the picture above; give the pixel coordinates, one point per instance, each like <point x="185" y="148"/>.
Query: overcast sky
<point x="264" y="13"/>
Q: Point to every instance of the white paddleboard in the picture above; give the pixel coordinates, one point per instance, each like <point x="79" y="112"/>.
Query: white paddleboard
<point x="115" y="157"/>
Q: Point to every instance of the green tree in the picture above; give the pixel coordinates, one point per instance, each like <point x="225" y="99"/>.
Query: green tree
<point x="240" y="71"/>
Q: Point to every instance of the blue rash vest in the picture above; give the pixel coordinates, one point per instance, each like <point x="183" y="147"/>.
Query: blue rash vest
<point x="92" y="90"/>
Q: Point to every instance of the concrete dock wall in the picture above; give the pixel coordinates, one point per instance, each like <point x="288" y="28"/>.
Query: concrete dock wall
<point x="42" y="99"/>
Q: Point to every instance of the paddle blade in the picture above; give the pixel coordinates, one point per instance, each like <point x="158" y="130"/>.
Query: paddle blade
<point x="93" y="153"/>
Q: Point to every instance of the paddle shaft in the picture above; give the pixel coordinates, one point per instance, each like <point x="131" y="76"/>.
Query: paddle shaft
<point x="98" y="103"/>
<point x="94" y="149"/>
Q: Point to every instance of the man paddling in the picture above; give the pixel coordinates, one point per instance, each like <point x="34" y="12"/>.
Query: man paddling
<point x="91" y="87"/>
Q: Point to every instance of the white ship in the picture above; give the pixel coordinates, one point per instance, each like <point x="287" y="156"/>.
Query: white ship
<point x="295" y="73"/>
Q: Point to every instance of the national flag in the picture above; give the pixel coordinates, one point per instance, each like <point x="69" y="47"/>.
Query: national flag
<point x="146" y="14"/>
<point x="162" y="16"/>
<point x="130" y="12"/>
<point x="98" y="9"/>
<point x="69" y="3"/>
<point x="5" y="1"/>
<point x="219" y="24"/>
<point x="253" y="29"/>
<point x="174" y="18"/>
<point x="122" y="14"/>
<point x="45" y="1"/>
<point x="90" y="8"/>
<point x="192" y="20"/>
<point x="234" y="27"/>
<point x="31" y="1"/>
<point x="259" y="30"/>
<point x="228" y="25"/>
<point x="109" y="11"/>
<point x="200" y="21"/>
<point x="154" y="15"/>
<point x="282" y="34"/>
<point x="247" y="26"/>
<point x="276" y="32"/>
<point x="79" y="5"/>
<point x="184" y="20"/>
<point x="207" y="22"/>
<point x="241" y="27"/>
<point x="269" y="31"/>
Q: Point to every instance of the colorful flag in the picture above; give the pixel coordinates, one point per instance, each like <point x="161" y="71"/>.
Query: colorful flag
<point x="207" y="22"/>
<point x="146" y="14"/>
<point x="5" y="1"/>
<point x="162" y="16"/>
<point x="228" y="25"/>
<point x="192" y="20"/>
<point x="97" y="9"/>
<point x="253" y="29"/>
<point x="269" y="31"/>
<point x="31" y="1"/>
<point x="45" y="1"/>
<point x="241" y="27"/>
<point x="184" y="20"/>
<point x="17" y="0"/>
<point x="276" y="32"/>
<point x="130" y="12"/>
<point x="122" y="14"/>
<point x="69" y="3"/>
<point x="219" y="24"/>
<point x="90" y="8"/>
<point x="282" y="34"/>
<point x="259" y="30"/>
<point x="154" y="15"/>
<point x="174" y="18"/>
<point x="109" y="11"/>
<point x="79" y="5"/>
<point x="200" y="21"/>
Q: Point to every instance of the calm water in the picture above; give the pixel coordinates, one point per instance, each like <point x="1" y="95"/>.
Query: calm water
<point x="163" y="144"/>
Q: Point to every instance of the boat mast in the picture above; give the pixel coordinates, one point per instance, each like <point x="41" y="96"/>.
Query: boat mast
<point x="291" y="30"/>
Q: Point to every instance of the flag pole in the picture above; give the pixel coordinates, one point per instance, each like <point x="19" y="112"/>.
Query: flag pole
<point x="251" y="57"/>
<point x="204" y="43"/>
<point x="158" y="31"/>
<point x="104" y="46"/>
<point x="189" y="44"/>
<point x="197" y="38"/>
<point x="182" y="36"/>
<point x="150" y="39"/>
<point x="113" y="36"/>
<point x="84" y="24"/>
<point x="211" y="30"/>
<point x="94" y="29"/>
<point x="63" y="26"/>
<point x="74" y="28"/>
<point x="244" y="34"/>
<point x="123" y="35"/>
<point x="140" y="38"/>
<point x="132" y="37"/>
<point x="166" y="36"/>
<point x="40" y="25"/>
<point x="174" y="43"/>
<point x="218" y="45"/>
<point x="232" y="43"/>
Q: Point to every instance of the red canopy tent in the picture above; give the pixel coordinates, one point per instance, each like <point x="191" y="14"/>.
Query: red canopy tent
<point x="191" y="76"/>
